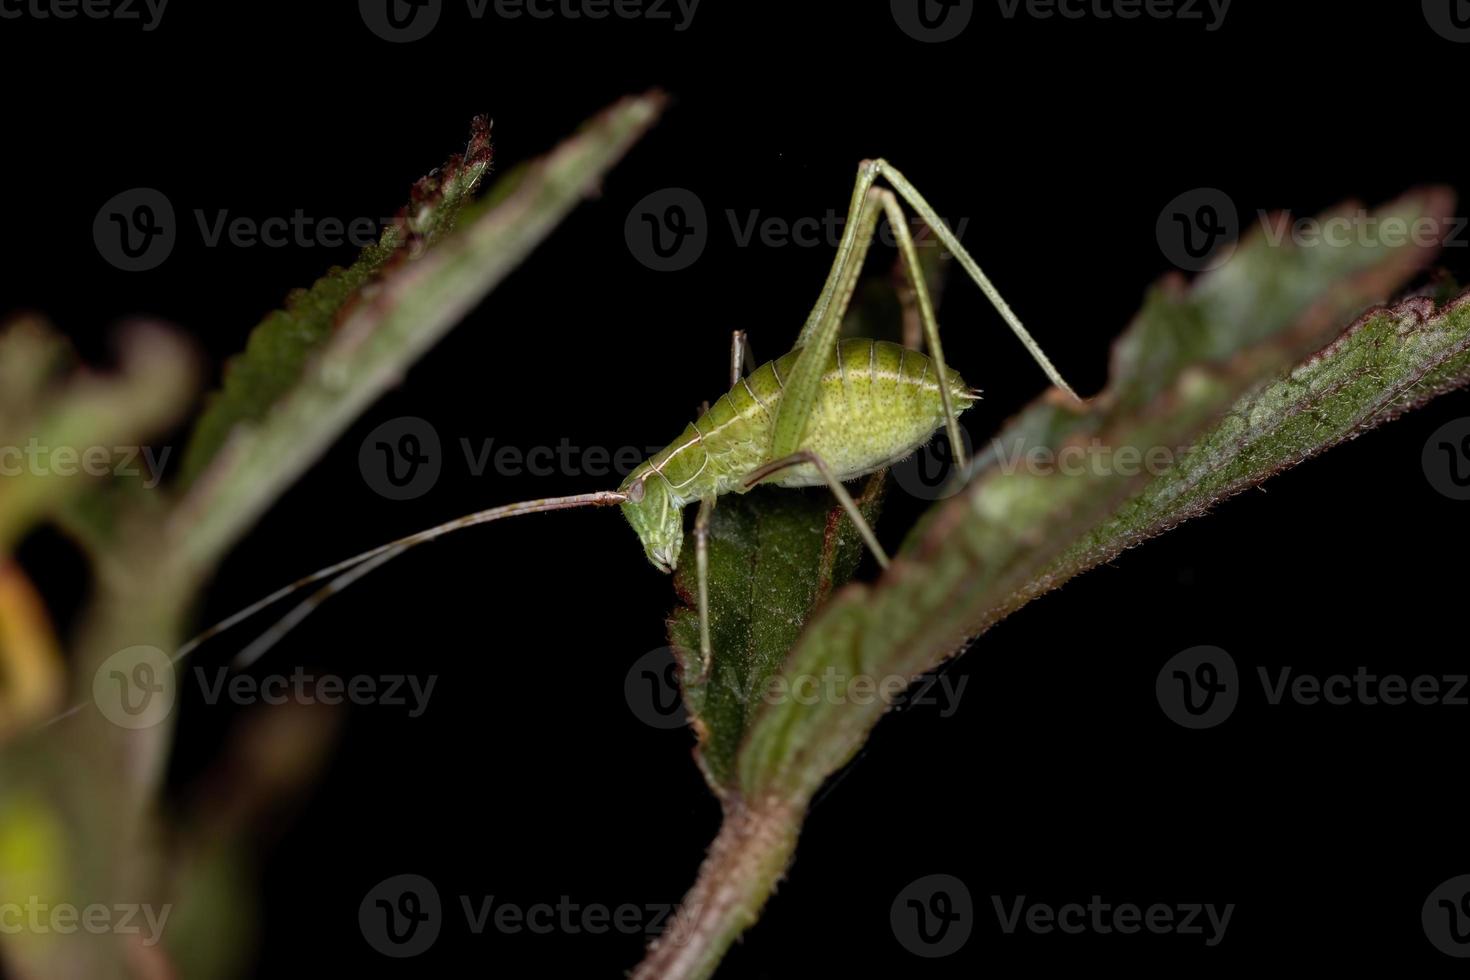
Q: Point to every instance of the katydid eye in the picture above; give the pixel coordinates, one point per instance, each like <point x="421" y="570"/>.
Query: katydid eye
<point x="635" y="492"/>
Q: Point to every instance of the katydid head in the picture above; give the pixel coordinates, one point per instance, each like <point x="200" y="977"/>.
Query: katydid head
<point x="657" y="518"/>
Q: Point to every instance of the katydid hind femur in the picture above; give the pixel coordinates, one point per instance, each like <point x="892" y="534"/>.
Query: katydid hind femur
<point x="829" y="411"/>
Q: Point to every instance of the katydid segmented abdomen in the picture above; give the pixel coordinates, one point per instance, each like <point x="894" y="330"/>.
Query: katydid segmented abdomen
<point x="878" y="402"/>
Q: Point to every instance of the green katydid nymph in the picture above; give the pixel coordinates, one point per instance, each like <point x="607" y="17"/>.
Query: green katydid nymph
<point x="827" y="412"/>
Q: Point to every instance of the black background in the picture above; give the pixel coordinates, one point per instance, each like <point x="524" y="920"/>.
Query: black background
<point x="529" y="778"/>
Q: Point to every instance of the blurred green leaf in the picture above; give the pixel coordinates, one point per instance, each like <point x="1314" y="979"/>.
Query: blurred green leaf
<point x="280" y="348"/>
<point x="307" y="372"/>
<point x="340" y="355"/>
<point x="52" y="418"/>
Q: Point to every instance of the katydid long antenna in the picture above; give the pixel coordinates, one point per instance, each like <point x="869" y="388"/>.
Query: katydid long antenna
<point x="344" y="573"/>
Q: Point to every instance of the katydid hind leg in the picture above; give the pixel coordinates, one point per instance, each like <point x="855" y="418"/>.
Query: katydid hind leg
<point x="701" y="570"/>
<point x="927" y="214"/>
<point x="857" y="238"/>
<point x="819" y="335"/>
<point x="807" y="457"/>
<point x="818" y="339"/>
<point x="742" y="357"/>
<point x="910" y="255"/>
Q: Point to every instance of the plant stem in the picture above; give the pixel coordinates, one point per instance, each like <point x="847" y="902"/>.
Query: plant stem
<point x="746" y="860"/>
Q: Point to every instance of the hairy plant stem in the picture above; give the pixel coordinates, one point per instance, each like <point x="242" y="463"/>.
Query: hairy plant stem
<point x="744" y="864"/>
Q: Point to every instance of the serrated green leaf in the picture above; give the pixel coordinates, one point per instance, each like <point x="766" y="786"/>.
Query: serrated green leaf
<point x="308" y="372"/>
<point x="1190" y="390"/>
<point x="775" y="555"/>
<point x="410" y="301"/>
<point x="280" y="347"/>
<point x="1204" y="374"/>
<point x="53" y="419"/>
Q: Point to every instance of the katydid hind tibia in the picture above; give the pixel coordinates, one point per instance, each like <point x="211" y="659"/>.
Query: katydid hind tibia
<point x="827" y="412"/>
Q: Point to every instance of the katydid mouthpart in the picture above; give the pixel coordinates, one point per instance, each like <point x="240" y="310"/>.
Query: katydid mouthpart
<point x="827" y="412"/>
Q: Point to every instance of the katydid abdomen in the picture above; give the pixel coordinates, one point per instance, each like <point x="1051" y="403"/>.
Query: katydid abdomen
<point x="877" y="403"/>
